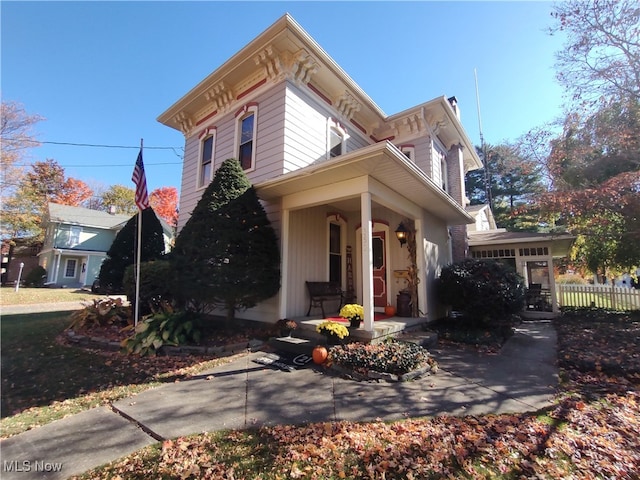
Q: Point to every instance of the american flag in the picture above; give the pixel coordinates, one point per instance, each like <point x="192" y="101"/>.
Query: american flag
<point x="139" y="178"/>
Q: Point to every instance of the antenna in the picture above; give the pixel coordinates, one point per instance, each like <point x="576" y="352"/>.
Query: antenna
<point x="485" y="159"/>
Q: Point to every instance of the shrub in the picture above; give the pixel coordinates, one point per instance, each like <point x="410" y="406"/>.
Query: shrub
<point x="486" y="292"/>
<point x="155" y="287"/>
<point x="391" y="356"/>
<point x="122" y="252"/>
<point x="163" y="328"/>
<point x="100" y="312"/>
<point x="571" y="279"/>
<point x="36" y="277"/>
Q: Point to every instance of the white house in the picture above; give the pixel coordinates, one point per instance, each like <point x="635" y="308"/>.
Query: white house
<point x="336" y="175"/>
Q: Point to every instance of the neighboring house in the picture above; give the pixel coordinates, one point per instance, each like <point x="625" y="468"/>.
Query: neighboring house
<point x="76" y="242"/>
<point x="483" y="216"/>
<point x="336" y="174"/>
<point x="18" y="251"/>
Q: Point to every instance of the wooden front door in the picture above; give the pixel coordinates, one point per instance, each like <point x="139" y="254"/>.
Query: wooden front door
<point x="378" y="244"/>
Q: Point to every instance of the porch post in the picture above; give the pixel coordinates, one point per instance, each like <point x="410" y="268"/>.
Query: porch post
<point x="284" y="263"/>
<point x="367" y="260"/>
<point x="421" y="263"/>
<point x="57" y="266"/>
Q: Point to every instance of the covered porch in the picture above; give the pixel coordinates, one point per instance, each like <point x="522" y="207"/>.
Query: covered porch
<point x="337" y="222"/>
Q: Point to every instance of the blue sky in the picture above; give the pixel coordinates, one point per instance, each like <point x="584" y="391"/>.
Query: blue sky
<point x="102" y="72"/>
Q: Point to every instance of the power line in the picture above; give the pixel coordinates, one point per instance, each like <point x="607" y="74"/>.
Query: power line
<point x="99" y="145"/>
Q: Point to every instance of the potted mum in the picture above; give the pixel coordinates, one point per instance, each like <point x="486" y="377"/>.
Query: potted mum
<point x="286" y="327"/>
<point x="333" y="331"/>
<point x="353" y="312"/>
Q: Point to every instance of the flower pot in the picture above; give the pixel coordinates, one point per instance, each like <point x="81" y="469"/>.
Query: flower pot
<point x="355" y="322"/>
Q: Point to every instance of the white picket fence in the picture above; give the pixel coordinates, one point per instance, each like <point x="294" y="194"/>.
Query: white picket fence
<point x="599" y="296"/>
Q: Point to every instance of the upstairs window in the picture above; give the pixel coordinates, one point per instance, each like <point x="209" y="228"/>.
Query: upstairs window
<point x="74" y="236"/>
<point x="246" y="136"/>
<point x="336" y="138"/>
<point x="443" y="173"/>
<point x="206" y="158"/>
<point x="409" y="151"/>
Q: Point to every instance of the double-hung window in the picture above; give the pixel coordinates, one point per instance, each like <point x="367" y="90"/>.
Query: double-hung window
<point x="336" y="138"/>
<point x="70" y="268"/>
<point x="207" y="146"/>
<point x="246" y="136"/>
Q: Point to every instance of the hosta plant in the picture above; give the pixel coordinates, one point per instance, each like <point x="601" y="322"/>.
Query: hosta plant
<point x="161" y="329"/>
<point x="100" y="312"/>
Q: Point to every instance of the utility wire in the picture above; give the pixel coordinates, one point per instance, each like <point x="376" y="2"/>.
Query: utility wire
<point x="97" y="145"/>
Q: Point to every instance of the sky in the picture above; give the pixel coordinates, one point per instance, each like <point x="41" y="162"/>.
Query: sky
<point x="100" y="73"/>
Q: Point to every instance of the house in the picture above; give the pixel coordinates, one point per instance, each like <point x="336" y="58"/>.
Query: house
<point x="76" y="242"/>
<point x="16" y="252"/>
<point x="336" y="175"/>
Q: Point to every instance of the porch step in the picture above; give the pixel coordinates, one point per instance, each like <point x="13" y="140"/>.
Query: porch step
<point x="424" y="338"/>
<point x="292" y="345"/>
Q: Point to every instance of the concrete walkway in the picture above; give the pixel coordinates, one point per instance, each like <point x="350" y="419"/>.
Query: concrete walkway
<point x="242" y="394"/>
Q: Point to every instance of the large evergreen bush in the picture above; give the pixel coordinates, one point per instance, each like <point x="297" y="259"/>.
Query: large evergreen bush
<point x="123" y="249"/>
<point x="227" y="254"/>
<point x="487" y="292"/>
<point x="155" y="288"/>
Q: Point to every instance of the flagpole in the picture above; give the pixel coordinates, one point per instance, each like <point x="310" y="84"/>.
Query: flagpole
<point x="138" y="256"/>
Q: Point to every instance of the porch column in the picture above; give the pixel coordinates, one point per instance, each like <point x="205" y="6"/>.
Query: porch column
<point x="56" y="270"/>
<point x="367" y="260"/>
<point x="421" y="263"/>
<point x="284" y="263"/>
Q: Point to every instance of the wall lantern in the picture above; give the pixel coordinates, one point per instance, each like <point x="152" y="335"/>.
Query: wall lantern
<point x="401" y="234"/>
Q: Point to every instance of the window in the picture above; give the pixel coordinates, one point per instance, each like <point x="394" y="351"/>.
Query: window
<point x="246" y="136"/>
<point x="335" y="253"/>
<point x="409" y="151"/>
<point x="74" y="236"/>
<point x="70" y="268"/>
<point x="443" y="173"/>
<point x="336" y="136"/>
<point x="206" y="158"/>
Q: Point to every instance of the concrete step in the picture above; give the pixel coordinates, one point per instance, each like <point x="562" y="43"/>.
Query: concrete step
<point x="424" y="338"/>
<point x="293" y="345"/>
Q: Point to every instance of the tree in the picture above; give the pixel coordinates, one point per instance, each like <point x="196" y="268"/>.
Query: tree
<point x="121" y="198"/>
<point x="16" y="136"/>
<point x="515" y="181"/>
<point x="227" y="253"/>
<point x="601" y="59"/>
<point x="164" y="201"/>
<point x="123" y="250"/>
<point x="44" y="183"/>
<point x="595" y="166"/>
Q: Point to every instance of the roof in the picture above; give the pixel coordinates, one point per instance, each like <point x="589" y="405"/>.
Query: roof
<point x="561" y="242"/>
<point x="394" y="178"/>
<point x="286" y="50"/>
<point x="85" y="216"/>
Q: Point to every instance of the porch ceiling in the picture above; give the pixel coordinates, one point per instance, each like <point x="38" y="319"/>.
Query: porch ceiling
<point x="382" y="162"/>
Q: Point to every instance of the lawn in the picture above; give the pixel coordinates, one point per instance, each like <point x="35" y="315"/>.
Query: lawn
<point x="29" y="296"/>
<point x="592" y="431"/>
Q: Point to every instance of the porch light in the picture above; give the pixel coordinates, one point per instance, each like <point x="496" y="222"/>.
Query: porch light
<point x="401" y="234"/>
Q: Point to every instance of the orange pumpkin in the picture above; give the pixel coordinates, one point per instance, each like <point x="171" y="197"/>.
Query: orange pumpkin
<point x="319" y="354"/>
<point x="390" y="310"/>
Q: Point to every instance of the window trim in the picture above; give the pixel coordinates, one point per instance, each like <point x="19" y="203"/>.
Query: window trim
<point x="66" y="267"/>
<point x="243" y="113"/>
<point x="409" y="152"/>
<point x="439" y="151"/>
<point x="207" y="133"/>
<point x="334" y="125"/>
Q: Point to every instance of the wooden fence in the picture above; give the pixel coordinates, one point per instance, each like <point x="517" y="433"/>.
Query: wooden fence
<point x="599" y="296"/>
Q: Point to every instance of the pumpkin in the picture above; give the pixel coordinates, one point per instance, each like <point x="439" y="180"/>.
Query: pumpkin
<point x="390" y="310"/>
<point x="319" y="354"/>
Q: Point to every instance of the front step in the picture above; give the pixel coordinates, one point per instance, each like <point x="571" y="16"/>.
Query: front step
<point x="423" y="338"/>
<point x="292" y="345"/>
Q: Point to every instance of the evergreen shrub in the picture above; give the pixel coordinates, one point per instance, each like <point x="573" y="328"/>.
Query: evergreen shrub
<point x="155" y="285"/>
<point x="488" y="293"/>
<point x="36" y="277"/>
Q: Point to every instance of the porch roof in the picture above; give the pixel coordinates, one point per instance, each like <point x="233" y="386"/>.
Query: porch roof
<point x="560" y="242"/>
<point x="382" y="162"/>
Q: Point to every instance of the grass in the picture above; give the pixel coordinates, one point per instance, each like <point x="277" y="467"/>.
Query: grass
<point x="592" y="431"/>
<point x="30" y="296"/>
<point x="44" y="380"/>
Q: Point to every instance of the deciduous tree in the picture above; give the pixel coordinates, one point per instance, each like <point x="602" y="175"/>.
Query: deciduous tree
<point x="121" y="198"/>
<point x="164" y="201"/>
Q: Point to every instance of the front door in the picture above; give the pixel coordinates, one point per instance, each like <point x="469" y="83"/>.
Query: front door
<point x="378" y="244"/>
